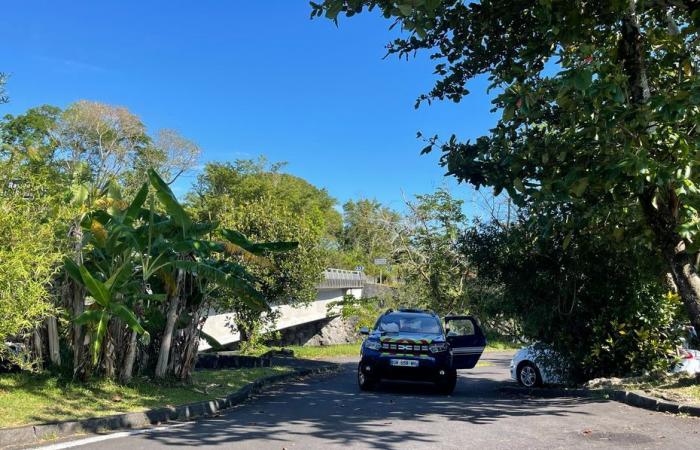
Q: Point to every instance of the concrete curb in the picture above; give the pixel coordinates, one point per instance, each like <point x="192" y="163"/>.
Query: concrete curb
<point x="631" y="398"/>
<point x="36" y="433"/>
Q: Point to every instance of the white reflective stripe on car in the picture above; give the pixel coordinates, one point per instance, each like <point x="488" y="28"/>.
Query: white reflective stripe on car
<point x="467" y="350"/>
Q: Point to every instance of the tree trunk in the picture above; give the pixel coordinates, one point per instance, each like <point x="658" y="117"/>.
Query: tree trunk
<point x="184" y="352"/>
<point x="74" y="300"/>
<point x="662" y="215"/>
<point x="663" y="220"/>
<point x="38" y="345"/>
<point x="171" y="317"/>
<point x="128" y="369"/>
<point x="77" y="308"/>
<point x="54" y="349"/>
<point x="109" y="348"/>
<point x="687" y="280"/>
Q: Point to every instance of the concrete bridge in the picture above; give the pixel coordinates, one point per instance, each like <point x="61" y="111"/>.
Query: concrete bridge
<point x="336" y="283"/>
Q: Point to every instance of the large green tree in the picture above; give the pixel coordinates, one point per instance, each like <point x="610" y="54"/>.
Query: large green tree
<point x="369" y="232"/>
<point x="598" y="102"/>
<point x="602" y="304"/>
<point x="224" y="186"/>
<point x="254" y="197"/>
<point x="426" y="249"/>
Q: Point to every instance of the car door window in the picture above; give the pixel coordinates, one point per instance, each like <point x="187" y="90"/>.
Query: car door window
<point x="466" y="341"/>
<point x="461" y="327"/>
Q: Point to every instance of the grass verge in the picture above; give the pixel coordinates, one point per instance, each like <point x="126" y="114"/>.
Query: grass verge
<point x="349" y="350"/>
<point x="680" y="389"/>
<point x="29" y="398"/>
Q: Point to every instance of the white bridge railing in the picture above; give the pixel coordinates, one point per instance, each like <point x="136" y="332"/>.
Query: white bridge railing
<point x="335" y="285"/>
<point x="338" y="278"/>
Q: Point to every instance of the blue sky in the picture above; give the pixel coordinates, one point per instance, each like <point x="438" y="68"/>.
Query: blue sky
<point x="246" y="78"/>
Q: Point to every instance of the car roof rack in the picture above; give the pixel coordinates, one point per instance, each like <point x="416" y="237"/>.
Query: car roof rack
<point x="414" y="310"/>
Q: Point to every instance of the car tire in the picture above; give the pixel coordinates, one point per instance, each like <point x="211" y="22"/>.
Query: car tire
<point x="366" y="382"/>
<point x="529" y="375"/>
<point x="446" y="384"/>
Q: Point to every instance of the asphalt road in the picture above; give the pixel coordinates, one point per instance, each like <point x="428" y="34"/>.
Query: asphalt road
<point x="329" y="412"/>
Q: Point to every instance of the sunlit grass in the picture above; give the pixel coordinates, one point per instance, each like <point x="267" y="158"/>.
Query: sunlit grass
<point x="350" y="350"/>
<point x="680" y="388"/>
<point x="497" y="345"/>
<point x="29" y="398"/>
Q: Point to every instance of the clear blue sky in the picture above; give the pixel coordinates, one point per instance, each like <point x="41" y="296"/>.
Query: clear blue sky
<point x="245" y="78"/>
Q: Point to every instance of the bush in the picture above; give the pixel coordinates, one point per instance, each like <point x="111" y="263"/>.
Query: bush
<point x="599" y="302"/>
<point x="28" y="261"/>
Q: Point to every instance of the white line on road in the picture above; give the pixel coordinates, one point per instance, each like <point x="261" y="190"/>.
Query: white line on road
<point x="106" y="437"/>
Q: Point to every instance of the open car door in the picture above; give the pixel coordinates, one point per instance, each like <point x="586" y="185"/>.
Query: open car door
<point x="466" y="339"/>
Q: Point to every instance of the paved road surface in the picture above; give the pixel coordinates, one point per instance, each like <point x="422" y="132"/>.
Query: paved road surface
<point x="329" y="412"/>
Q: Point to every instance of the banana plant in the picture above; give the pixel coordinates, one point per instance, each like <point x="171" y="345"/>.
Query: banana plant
<point x="133" y="246"/>
<point x="105" y="306"/>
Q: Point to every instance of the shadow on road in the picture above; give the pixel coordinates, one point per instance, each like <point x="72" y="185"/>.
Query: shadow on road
<point x="332" y="410"/>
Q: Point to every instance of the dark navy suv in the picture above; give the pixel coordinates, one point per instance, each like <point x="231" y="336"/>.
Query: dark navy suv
<point x="410" y="344"/>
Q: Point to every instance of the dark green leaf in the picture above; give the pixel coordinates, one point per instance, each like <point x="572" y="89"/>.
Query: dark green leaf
<point x="127" y="316"/>
<point x="169" y="201"/>
<point x="134" y="208"/>
<point x="96" y="288"/>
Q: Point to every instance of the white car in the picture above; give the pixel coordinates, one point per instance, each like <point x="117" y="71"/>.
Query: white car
<point x="530" y="368"/>
<point x="535" y="365"/>
<point x="689" y="363"/>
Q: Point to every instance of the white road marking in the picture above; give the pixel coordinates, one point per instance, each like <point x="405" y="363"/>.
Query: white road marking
<point x="106" y="437"/>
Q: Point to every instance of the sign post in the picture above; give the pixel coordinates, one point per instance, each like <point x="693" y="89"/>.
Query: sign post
<point x="380" y="262"/>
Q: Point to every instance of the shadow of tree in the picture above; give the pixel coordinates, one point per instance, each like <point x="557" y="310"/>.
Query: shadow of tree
<point x="334" y="412"/>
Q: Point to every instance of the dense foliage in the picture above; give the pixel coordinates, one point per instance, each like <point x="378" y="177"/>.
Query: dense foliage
<point x="80" y="185"/>
<point x="257" y="199"/>
<point x="368" y="234"/>
<point x="601" y="304"/>
<point x="598" y="101"/>
<point x="27" y="267"/>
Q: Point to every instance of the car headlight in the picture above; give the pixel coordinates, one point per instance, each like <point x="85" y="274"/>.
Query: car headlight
<point x="439" y="347"/>
<point x="373" y="345"/>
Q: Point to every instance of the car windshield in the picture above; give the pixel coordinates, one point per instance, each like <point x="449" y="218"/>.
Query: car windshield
<point x="408" y="323"/>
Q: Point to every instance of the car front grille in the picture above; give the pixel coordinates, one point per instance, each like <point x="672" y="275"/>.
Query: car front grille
<point x="405" y="349"/>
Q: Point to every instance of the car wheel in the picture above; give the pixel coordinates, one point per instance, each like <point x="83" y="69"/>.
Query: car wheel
<point x="364" y="381"/>
<point x="529" y="375"/>
<point x="446" y="384"/>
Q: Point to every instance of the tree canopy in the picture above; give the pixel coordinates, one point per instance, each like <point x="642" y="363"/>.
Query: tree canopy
<point x="224" y="186"/>
<point x="598" y="104"/>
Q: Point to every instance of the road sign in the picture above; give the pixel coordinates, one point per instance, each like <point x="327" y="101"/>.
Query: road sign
<point x="380" y="261"/>
<point x="360" y="268"/>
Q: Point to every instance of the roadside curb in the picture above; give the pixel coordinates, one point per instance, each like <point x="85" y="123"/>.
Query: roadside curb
<point x="631" y="398"/>
<point x="33" y="434"/>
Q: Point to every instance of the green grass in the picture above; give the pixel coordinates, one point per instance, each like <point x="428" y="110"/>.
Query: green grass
<point x="677" y="388"/>
<point x="498" y="345"/>
<point x="326" y="351"/>
<point x="349" y="350"/>
<point x="28" y="398"/>
<point x="691" y="392"/>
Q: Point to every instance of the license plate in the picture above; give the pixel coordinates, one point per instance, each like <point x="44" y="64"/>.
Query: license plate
<point x="404" y="362"/>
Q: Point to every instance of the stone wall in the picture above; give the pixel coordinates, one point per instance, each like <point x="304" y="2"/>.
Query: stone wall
<point x="375" y="290"/>
<point x="330" y="331"/>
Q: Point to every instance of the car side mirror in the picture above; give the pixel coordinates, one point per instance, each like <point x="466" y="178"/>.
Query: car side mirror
<point x="364" y="331"/>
